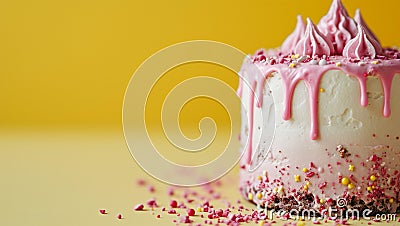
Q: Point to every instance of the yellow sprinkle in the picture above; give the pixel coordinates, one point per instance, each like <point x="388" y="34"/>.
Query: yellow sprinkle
<point x="292" y="65"/>
<point x="297" y="56"/>
<point x="305" y="170"/>
<point x="375" y="62"/>
<point x="369" y="189"/>
<point x="305" y="187"/>
<point x="308" y="183"/>
<point x="372" y="178"/>
<point x="275" y="190"/>
<point x="281" y="189"/>
<point x="338" y="64"/>
<point x="261" y="223"/>
<point x="322" y="201"/>
<point x="350" y="186"/>
<point x="293" y="57"/>
<point x="259" y="177"/>
<point x="199" y="209"/>
<point x="351" y="167"/>
<point x="373" y="187"/>
<point x="250" y="196"/>
<point x="297" y="178"/>
<point x="300" y="223"/>
<point x="391" y="200"/>
<point x="322" y="90"/>
<point x="345" y="181"/>
<point x="259" y="195"/>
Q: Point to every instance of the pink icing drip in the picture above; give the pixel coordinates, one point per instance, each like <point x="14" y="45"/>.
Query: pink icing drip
<point x="362" y="45"/>
<point x="360" y="20"/>
<point x="311" y="75"/>
<point x="338" y="26"/>
<point x="314" y="42"/>
<point x="291" y="41"/>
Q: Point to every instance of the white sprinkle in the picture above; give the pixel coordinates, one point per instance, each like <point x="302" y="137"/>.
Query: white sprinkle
<point x="361" y="63"/>
<point x="301" y="59"/>
<point x="314" y="62"/>
<point x="339" y="174"/>
<point x="322" y="62"/>
<point x="320" y="170"/>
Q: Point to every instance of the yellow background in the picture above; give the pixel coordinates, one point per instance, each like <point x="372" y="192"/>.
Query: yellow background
<point x="64" y="68"/>
<point x="69" y="62"/>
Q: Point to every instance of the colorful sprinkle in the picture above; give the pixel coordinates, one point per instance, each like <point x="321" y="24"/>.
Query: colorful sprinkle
<point x="351" y="167"/>
<point x="119" y="216"/>
<point x="345" y="181"/>
<point x="372" y="178"/>
<point x="138" y="207"/>
<point x="102" y="211"/>
<point x="190" y="212"/>
<point x="305" y="170"/>
<point x="297" y="178"/>
<point x="350" y="186"/>
<point x="322" y="90"/>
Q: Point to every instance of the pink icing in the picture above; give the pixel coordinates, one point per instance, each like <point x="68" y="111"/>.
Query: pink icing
<point x="291" y="41"/>
<point x="313" y="42"/>
<point x="338" y="26"/>
<point x="360" y="20"/>
<point x="363" y="45"/>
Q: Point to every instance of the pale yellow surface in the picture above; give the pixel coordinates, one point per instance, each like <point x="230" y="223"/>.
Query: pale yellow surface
<point x="53" y="177"/>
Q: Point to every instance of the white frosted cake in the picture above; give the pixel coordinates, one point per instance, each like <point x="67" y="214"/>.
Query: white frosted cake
<point x="336" y="112"/>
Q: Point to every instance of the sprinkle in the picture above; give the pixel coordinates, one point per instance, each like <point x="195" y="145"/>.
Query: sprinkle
<point x="265" y="173"/>
<point x="305" y="170"/>
<point x="250" y="196"/>
<point x="322" y="62"/>
<point x="259" y="195"/>
<point x="345" y="181"/>
<point x="173" y="204"/>
<point x="350" y="186"/>
<point x="199" y="209"/>
<point x="322" y="201"/>
<point x="300" y="223"/>
<point x="293" y="57"/>
<point x="261" y="223"/>
<point x="259" y="177"/>
<point x="138" y="207"/>
<point x="361" y="63"/>
<point x="375" y="62"/>
<point x="119" y="216"/>
<point x="305" y="187"/>
<point x="190" y="212"/>
<point x="102" y="211"/>
<point x="369" y="188"/>
<point x="314" y="62"/>
<point x="310" y="174"/>
<point x="372" y="178"/>
<point x="391" y="200"/>
<point x="297" y="178"/>
<point x="297" y="56"/>
<point x="338" y="64"/>
<point x="292" y="65"/>
<point x="351" y="167"/>
<point x="308" y="183"/>
<point x="302" y="59"/>
<point x="158" y="216"/>
<point x="171" y="211"/>
<point x="320" y="170"/>
<point x="151" y="189"/>
<point x="322" y="90"/>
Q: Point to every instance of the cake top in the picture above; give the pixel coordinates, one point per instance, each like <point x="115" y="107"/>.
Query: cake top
<point x="336" y="38"/>
<point x="338" y="42"/>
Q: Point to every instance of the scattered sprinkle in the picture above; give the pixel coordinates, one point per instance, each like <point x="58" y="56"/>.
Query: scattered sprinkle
<point x="338" y="64"/>
<point x="351" y="167"/>
<point x="102" y="211"/>
<point x="138" y="207"/>
<point x="322" y="62"/>
<point x="372" y="178"/>
<point x="322" y="90"/>
<point x="305" y="170"/>
<point x="119" y="216"/>
<point x="190" y="212"/>
<point x="345" y="181"/>
<point x="297" y="178"/>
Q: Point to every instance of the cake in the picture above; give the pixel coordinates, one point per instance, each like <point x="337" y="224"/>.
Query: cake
<point x="321" y="119"/>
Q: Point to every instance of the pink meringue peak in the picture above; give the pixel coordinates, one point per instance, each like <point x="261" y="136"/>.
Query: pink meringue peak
<point x="314" y="43"/>
<point x="338" y="26"/>
<point x="360" y="20"/>
<point x="291" y="41"/>
<point x="363" y="45"/>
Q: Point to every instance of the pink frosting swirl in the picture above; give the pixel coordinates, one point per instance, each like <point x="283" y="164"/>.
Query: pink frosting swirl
<point x="314" y="42"/>
<point x="291" y="41"/>
<point x="363" y="45"/>
<point x="360" y="20"/>
<point x="338" y="26"/>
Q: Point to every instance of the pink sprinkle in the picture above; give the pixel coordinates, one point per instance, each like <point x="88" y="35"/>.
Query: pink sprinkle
<point x="373" y="158"/>
<point x="141" y="182"/>
<point x="158" y="216"/>
<point x="322" y="185"/>
<point x="119" y="216"/>
<point x="312" y="165"/>
<point x="139" y="207"/>
<point x="171" y="191"/>
<point x="316" y="222"/>
<point x="102" y="211"/>
<point x="172" y="211"/>
<point x="310" y="174"/>
<point x="173" y="204"/>
<point x="152" y="203"/>
<point x="151" y="189"/>
<point x="190" y="212"/>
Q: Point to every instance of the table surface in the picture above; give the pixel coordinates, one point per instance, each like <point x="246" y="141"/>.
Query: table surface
<point x="65" y="176"/>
